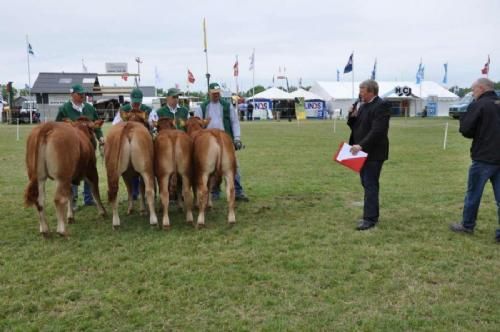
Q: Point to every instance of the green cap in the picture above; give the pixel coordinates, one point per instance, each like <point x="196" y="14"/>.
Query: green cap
<point x="173" y="92"/>
<point x="136" y="96"/>
<point x="214" y="87"/>
<point x="77" y="88"/>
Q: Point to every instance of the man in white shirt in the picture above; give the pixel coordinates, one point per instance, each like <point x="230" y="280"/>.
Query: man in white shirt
<point x="223" y="116"/>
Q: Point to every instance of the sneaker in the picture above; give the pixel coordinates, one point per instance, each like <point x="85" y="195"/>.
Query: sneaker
<point x="365" y="224"/>
<point x="459" y="228"/>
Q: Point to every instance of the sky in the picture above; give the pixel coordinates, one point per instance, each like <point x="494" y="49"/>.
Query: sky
<point x="311" y="39"/>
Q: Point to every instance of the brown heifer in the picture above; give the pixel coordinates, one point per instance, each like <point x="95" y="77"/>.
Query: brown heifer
<point x="129" y="151"/>
<point x="65" y="153"/>
<point x="173" y="149"/>
<point x="213" y="157"/>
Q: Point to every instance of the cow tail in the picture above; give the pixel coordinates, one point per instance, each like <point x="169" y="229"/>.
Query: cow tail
<point x="33" y="144"/>
<point x="218" y="167"/>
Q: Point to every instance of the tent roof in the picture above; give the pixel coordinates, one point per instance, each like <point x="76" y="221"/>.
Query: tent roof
<point x="301" y="93"/>
<point x="343" y="90"/>
<point x="272" y="93"/>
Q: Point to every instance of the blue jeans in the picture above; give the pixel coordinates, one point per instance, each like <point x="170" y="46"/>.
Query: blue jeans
<point x="87" y="193"/>
<point x="238" y="188"/>
<point x="370" y="174"/>
<point x="479" y="173"/>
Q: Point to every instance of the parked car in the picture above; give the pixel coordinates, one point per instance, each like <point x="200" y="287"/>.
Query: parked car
<point x="460" y="107"/>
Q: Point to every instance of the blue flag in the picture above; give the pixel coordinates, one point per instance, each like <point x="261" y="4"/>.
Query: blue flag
<point x="420" y="73"/>
<point x="338" y="75"/>
<point x="374" y="71"/>
<point x="30" y="49"/>
<point x="348" y="67"/>
<point x="445" y="78"/>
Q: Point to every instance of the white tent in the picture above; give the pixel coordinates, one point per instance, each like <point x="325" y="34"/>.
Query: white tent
<point x="307" y="95"/>
<point x="339" y="95"/>
<point x="272" y="94"/>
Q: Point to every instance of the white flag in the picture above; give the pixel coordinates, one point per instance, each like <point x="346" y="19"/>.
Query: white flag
<point x="252" y="61"/>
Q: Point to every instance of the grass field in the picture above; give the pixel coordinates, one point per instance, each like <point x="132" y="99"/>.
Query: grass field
<point x="292" y="262"/>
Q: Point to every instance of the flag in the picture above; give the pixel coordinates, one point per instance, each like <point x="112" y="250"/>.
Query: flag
<point x="486" y="68"/>
<point x="374" y="71"/>
<point x="338" y="75"/>
<point x="273" y="79"/>
<point x="157" y="76"/>
<point x="348" y="67"/>
<point x="252" y="61"/>
<point x="300" y="82"/>
<point x="420" y="73"/>
<point x="84" y="68"/>
<point x="30" y="49"/>
<point x="445" y="78"/>
<point x="204" y="35"/>
<point x="235" y="68"/>
<point x="190" y="77"/>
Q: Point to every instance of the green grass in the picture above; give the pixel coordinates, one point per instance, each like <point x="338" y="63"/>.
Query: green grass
<point x="292" y="262"/>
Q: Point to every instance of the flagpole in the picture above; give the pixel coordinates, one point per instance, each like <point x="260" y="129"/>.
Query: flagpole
<point x="29" y="78"/>
<point x="237" y="72"/>
<point x="352" y="74"/>
<point x="253" y="73"/>
<point x="206" y="54"/>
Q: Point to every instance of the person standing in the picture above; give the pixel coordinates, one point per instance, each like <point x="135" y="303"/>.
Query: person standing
<point x="171" y="110"/>
<point x="222" y="116"/>
<point x="369" y="123"/>
<point x="136" y="105"/>
<point x="73" y="109"/>
<point x="481" y="123"/>
<point x="250" y="111"/>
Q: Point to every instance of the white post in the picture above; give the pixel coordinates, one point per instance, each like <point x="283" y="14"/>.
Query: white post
<point x="445" y="136"/>
<point x="29" y="76"/>
<point x="334" y="124"/>
<point x="17" y="129"/>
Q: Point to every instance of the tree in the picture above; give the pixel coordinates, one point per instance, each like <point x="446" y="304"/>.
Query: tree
<point x="256" y="89"/>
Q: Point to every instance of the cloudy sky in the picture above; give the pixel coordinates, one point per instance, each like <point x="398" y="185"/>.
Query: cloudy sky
<point x="312" y="39"/>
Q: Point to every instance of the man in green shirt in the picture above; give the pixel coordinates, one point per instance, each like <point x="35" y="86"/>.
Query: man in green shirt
<point x="172" y="110"/>
<point x="73" y="109"/>
<point x="136" y="97"/>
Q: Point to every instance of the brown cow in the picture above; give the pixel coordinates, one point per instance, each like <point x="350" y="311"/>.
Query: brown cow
<point x="65" y="153"/>
<point x="129" y="151"/>
<point x="173" y="149"/>
<point x="213" y="157"/>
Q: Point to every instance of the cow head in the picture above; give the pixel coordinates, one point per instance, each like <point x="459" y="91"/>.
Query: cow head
<point x="133" y="115"/>
<point x="87" y="126"/>
<point x="165" y="124"/>
<point x="193" y="124"/>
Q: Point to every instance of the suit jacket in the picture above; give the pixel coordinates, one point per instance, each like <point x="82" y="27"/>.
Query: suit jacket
<point x="370" y="128"/>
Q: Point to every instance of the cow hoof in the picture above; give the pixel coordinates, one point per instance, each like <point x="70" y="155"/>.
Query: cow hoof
<point x="63" y="234"/>
<point x="166" y="227"/>
<point x="190" y="223"/>
<point x="129" y="212"/>
<point x="231" y="223"/>
<point x="116" y="227"/>
<point x="71" y="220"/>
<point x="46" y="235"/>
<point x="200" y="226"/>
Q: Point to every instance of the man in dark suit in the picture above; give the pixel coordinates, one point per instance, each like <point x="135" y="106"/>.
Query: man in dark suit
<point x="369" y="123"/>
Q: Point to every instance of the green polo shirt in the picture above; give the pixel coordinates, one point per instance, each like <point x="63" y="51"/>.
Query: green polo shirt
<point x="66" y="111"/>
<point x="180" y="116"/>
<point x="128" y="108"/>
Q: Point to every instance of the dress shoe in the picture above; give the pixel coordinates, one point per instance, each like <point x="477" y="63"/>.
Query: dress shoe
<point x="365" y="224"/>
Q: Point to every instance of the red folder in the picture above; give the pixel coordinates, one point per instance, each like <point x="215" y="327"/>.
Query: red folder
<point x="344" y="157"/>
